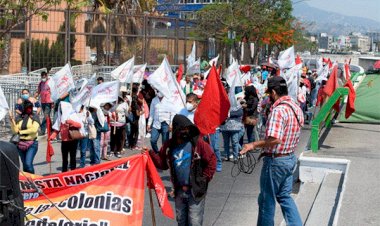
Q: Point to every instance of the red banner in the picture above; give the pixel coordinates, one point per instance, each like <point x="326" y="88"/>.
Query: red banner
<point x="107" y="194"/>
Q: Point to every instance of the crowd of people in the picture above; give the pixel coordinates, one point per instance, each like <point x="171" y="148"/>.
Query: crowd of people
<point x="138" y="114"/>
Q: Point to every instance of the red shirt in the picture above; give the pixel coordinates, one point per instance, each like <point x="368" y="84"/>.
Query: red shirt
<point x="44" y="91"/>
<point x="282" y="124"/>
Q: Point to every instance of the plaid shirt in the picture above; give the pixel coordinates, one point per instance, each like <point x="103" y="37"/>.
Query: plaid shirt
<point x="282" y="124"/>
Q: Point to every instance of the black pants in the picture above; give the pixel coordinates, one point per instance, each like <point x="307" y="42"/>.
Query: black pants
<point x="117" y="139"/>
<point x="66" y="148"/>
<point x="132" y="139"/>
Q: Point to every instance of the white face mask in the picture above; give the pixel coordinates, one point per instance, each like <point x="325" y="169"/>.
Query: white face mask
<point x="160" y="95"/>
<point x="189" y="106"/>
<point x="43" y="79"/>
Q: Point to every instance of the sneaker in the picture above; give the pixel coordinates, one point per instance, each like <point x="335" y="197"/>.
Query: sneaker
<point x="226" y="159"/>
<point x="117" y="155"/>
<point x="147" y="135"/>
<point x="219" y="168"/>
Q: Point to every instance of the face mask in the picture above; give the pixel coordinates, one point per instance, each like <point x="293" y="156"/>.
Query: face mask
<point x="143" y="87"/>
<point x="160" y="95"/>
<point x="43" y="79"/>
<point x="25" y="96"/>
<point x="189" y="106"/>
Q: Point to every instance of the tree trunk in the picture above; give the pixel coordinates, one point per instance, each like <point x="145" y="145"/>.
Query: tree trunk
<point x="5" y="54"/>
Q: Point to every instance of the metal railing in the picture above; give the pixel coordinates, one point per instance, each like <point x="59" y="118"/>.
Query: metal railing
<point x="324" y="117"/>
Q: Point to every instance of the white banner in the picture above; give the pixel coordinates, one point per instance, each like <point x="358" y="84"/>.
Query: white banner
<point x="286" y="58"/>
<point x="138" y="73"/>
<point x="232" y="71"/>
<point x="163" y="80"/>
<point x="82" y="97"/>
<point x="61" y="82"/>
<point x="194" y="68"/>
<point x="106" y="92"/>
<point x="3" y="105"/>
<point x="125" y="71"/>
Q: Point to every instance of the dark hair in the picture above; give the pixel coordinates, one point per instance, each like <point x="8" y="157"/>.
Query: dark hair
<point x="27" y="90"/>
<point x="192" y="96"/>
<point x="281" y="90"/>
<point x="100" y="79"/>
<point x="43" y="73"/>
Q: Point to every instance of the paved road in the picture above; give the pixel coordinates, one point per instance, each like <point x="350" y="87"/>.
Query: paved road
<point x="230" y="201"/>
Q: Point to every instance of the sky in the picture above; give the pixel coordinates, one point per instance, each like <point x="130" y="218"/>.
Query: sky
<point x="362" y="8"/>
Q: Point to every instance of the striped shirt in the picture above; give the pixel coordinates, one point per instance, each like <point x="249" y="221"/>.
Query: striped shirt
<point x="282" y="124"/>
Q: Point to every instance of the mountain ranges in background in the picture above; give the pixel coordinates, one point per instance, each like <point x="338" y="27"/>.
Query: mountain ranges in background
<point x="322" y="21"/>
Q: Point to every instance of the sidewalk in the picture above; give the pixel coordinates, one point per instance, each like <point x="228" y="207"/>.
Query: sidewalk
<point x="360" y="144"/>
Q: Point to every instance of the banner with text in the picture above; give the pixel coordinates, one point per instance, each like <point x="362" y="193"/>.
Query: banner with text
<point x="107" y="194"/>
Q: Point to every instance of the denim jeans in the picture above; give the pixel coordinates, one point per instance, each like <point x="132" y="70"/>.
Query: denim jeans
<point x="155" y="133"/>
<point x="234" y="136"/>
<point x="27" y="157"/>
<point x="46" y="109"/>
<point x="188" y="211"/>
<point x="214" y="141"/>
<point x="250" y="133"/>
<point x="95" y="149"/>
<point x="276" y="182"/>
<point x="84" y="145"/>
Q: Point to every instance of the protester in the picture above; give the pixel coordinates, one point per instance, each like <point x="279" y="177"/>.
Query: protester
<point x="282" y="137"/>
<point x="100" y="80"/>
<point x="232" y="130"/>
<point x="118" y="121"/>
<point x="25" y="96"/>
<point x="264" y="73"/>
<point x="26" y="125"/>
<point x="45" y="98"/>
<point x="204" y="64"/>
<point x="101" y="126"/>
<point x="67" y="124"/>
<point x="136" y="110"/>
<point x="159" y="121"/>
<point x="192" y="102"/>
<point x="251" y="101"/>
<point x="192" y="166"/>
<point x="105" y="136"/>
<point x="85" y="143"/>
<point x="187" y="85"/>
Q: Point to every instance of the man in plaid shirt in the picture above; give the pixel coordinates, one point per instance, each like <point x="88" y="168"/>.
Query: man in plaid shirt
<point x="282" y="136"/>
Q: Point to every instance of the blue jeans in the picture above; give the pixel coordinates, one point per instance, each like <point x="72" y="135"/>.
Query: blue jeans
<point x="155" y="133"/>
<point x="250" y="133"/>
<point x="235" y="137"/>
<point x="27" y="157"/>
<point x="276" y="183"/>
<point x="214" y="141"/>
<point x="84" y="146"/>
<point x="95" y="149"/>
<point x="188" y="211"/>
<point x="46" y="109"/>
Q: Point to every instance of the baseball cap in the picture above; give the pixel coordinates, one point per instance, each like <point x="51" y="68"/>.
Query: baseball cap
<point x="274" y="82"/>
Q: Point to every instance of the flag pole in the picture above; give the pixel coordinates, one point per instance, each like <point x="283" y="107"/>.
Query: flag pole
<point x="152" y="208"/>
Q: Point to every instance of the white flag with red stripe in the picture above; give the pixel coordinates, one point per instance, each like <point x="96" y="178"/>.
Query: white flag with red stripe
<point x="61" y="82"/>
<point x="138" y="73"/>
<point x="124" y="72"/>
<point x="286" y="58"/>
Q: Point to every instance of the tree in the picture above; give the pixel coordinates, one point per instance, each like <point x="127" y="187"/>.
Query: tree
<point x="264" y="23"/>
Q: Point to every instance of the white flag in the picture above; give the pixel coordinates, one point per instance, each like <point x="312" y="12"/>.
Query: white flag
<point x="234" y="93"/>
<point x="214" y="61"/>
<point x="61" y="82"/>
<point x="194" y="67"/>
<point x="106" y="92"/>
<point x="191" y="58"/>
<point x="291" y="76"/>
<point x="125" y="71"/>
<point x="286" y="58"/>
<point x="82" y="97"/>
<point x="138" y="73"/>
<point x="3" y="105"/>
<point x="163" y="80"/>
<point x="323" y="74"/>
<point x="232" y="71"/>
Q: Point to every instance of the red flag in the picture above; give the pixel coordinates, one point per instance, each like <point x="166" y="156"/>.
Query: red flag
<point x="154" y="182"/>
<point x="298" y="60"/>
<point x="213" y="110"/>
<point x="49" y="148"/>
<point x="180" y="73"/>
<point x="350" y="107"/>
<point x="332" y="85"/>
